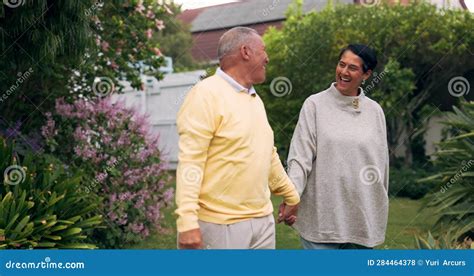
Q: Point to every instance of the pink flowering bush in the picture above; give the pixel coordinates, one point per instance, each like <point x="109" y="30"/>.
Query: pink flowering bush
<point x="116" y="148"/>
<point x="124" y="48"/>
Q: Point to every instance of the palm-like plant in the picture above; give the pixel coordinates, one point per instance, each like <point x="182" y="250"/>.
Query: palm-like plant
<point x="453" y="199"/>
<point x="41" y="205"/>
<point x="445" y="241"/>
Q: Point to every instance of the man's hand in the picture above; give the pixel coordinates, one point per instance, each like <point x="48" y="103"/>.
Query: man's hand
<point x="190" y="239"/>
<point x="287" y="213"/>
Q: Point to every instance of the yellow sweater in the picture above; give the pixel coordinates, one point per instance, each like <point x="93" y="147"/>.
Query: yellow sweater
<point x="227" y="162"/>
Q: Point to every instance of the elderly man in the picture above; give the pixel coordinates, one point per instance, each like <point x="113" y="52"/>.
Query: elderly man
<point x="227" y="162"/>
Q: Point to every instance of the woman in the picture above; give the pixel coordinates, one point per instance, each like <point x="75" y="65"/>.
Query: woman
<point x="338" y="160"/>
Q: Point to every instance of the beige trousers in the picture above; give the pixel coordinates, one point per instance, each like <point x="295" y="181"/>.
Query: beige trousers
<point x="255" y="233"/>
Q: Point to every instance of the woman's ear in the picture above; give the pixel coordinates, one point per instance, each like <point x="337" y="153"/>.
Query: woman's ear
<point x="367" y="74"/>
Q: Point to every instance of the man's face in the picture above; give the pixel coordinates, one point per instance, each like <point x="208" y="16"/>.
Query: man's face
<point x="258" y="60"/>
<point x="349" y="73"/>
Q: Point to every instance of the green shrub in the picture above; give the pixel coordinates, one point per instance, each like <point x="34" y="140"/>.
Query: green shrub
<point x="419" y="48"/>
<point x="452" y="198"/>
<point x="41" y="205"/>
<point x="445" y="241"/>
<point x="403" y="183"/>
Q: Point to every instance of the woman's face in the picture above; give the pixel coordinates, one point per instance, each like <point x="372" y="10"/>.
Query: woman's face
<point x="349" y="73"/>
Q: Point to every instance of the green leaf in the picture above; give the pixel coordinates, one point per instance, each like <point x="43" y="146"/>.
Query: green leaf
<point x="72" y="231"/>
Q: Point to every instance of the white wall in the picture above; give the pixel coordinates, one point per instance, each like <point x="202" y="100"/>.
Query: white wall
<point x="432" y="136"/>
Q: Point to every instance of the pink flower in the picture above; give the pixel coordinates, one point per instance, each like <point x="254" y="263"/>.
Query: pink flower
<point x="77" y="151"/>
<point x="88" y="153"/>
<point x="48" y="131"/>
<point x="139" y="204"/>
<point x="123" y="140"/>
<point x="113" y="198"/>
<point x="125" y="196"/>
<point x="63" y="108"/>
<point x="140" y="8"/>
<point x="105" y="46"/>
<point x="80" y="134"/>
<point x="149" y="33"/>
<point x="100" y="177"/>
<point x="160" y="25"/>
<point x="150" y="14"/>
<point x="157" y="52"/>
<point x="114" y="65"/>
<point x="136" y="227"/>
<point x="168" y="195"/>
<point x="112" y="216"/>
<point x="106" y="139"/>
<point x="112" y="162"/>
<point x="123" y="220"/>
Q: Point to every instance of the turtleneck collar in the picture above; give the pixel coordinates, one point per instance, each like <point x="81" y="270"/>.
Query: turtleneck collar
<point x="348" y="103"/>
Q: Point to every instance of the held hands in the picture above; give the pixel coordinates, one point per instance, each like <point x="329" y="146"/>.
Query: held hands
<point x="190" y="239"/>
<point x="287" y="213"/>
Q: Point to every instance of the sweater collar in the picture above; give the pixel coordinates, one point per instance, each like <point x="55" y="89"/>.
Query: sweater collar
<point x="349" y="103"/>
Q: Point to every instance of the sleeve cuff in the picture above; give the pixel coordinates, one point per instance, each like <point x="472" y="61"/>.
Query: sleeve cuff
<point x="186" y="224"/>
<point x="293" y="199"/>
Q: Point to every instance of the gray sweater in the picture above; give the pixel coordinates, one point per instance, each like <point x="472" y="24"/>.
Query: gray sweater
<point x="338" y="161"/>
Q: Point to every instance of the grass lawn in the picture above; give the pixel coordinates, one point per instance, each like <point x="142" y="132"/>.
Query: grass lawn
<point x="404" y="220"/>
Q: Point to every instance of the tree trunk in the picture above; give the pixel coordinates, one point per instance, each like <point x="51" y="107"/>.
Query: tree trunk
<point x="408" y="158"/>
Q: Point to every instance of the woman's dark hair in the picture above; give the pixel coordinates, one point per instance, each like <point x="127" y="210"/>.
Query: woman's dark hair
<point x="368" y="56"/>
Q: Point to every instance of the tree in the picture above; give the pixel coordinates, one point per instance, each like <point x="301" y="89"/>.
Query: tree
<point x="419" y="49"/>
<point x="40" y="41"/>
<point x="176" y="41"/>
<point x="71" y="49"/>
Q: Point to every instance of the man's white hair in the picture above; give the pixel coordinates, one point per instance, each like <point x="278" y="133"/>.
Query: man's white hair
<point x="233" y="39"/>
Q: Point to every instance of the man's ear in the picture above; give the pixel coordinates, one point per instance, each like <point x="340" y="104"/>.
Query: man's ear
<point x="245" y="52"/>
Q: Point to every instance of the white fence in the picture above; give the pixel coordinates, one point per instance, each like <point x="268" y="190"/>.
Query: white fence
<point x="161" y="100"/>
